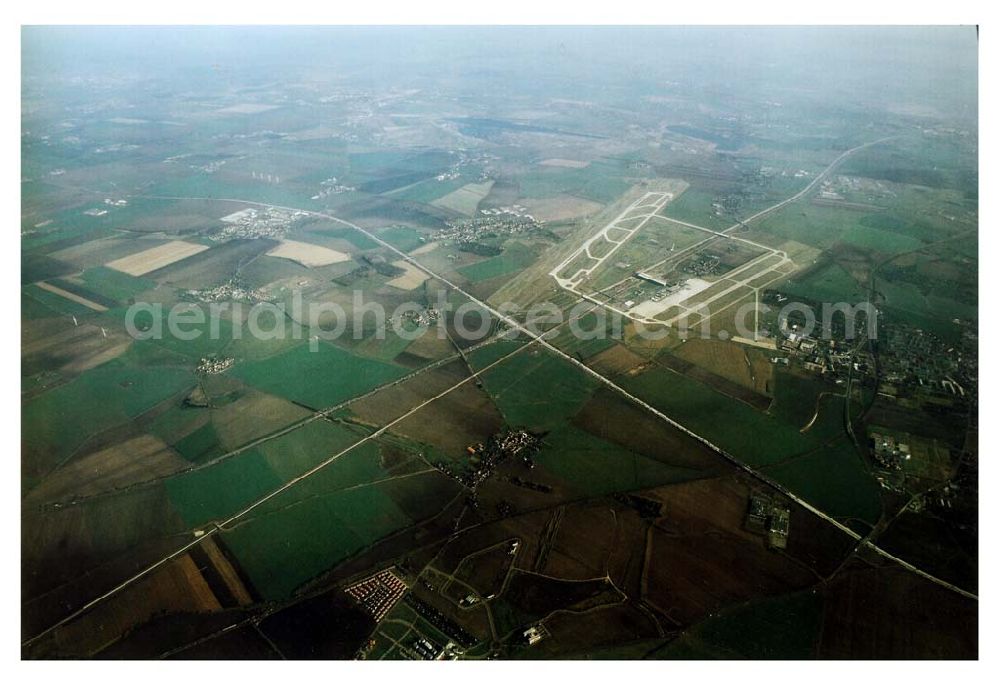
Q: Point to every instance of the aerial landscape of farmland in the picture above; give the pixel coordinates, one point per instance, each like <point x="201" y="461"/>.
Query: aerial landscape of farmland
<point x="419" y="343"/>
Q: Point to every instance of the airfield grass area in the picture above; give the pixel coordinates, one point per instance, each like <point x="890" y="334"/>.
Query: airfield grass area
<point x="827" y="282"/>
<point x="694" y="206"/>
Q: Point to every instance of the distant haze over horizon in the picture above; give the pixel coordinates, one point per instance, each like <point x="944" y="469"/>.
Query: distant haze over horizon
<point x="924" y="71"/>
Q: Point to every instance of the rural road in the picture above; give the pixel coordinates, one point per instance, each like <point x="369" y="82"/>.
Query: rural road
<point x="812" y="184"/>
<point x="536" y="338"/>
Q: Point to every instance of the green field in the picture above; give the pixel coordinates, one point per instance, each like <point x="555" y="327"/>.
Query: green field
<point x="300" y="450"/>
<point x="353" y="236"/>
<point x="595" y="466"/>
<point x="56" y="422"/>
<point x="317" y="379"/>
<point x="200" y="445"/>
<point x="829" y="282"/>
<point x="603" y="181"/>
<point x="385" y="163"/>
<point x="907" y="302"/>
<point x="402" y="238"/>
<point x="466" y="199"/>
<point x="251" y="348"/>
<point x="594" y="328"/>
<point x="835" y="479"/>
<point x="840" y="484"/>
<point x="813" y="225"/>
<point x="515" y="258"/>
<point x="288" y="542"/>
<point x="209" y="339"/>
<point x="429" y="190"/>
<point x="55" y="303"/>
<point x="67" y="228"/>
<point x="114" y="284"/>
<point x="218" y="491"/>
<point x="935" y="162"/>
<point x="216" y="186"/>
<point x="879" y="240"/>
<point x="752" y="436"/>
<point x="536" y="388"/>
<point x="385" y="348"/>
<point x="34" y="309"/>
<point x="487" y="354"/>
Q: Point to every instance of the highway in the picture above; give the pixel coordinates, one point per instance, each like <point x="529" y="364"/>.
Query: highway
<point x="536" y="339"/>
<point x="229" y="522"/>
<point x="539" y="338"/>
<point x="812" y="184"/>
<point x="318" y="414"/>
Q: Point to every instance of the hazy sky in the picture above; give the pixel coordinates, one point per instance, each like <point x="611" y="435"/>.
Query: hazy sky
<point x="894" y="66"/>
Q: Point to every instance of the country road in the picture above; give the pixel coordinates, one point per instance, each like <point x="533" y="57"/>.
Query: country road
<point x="536" y="338"/>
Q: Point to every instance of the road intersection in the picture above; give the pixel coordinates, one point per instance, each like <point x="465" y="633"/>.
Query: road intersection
<point x="536" y="338"/>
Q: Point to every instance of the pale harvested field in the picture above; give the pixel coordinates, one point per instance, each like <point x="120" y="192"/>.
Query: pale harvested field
<point x="617" y="360"/>
<point x="411" y="280"/>
<point x="424" y="249"/>
<point x="98" y="252"/>
<point x="729" y="360"/>
<point x="93" y="305"/>
<point x="308" y="254"/>
<point x="156" y="257"/>
<point x="563" y="162"/>
<point x="561" y="207"/>
<point x="465" y="199"/>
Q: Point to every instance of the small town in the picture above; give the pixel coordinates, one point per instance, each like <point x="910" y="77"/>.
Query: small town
<point x="494" y="222"/>
<point x="252" y="223"/>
